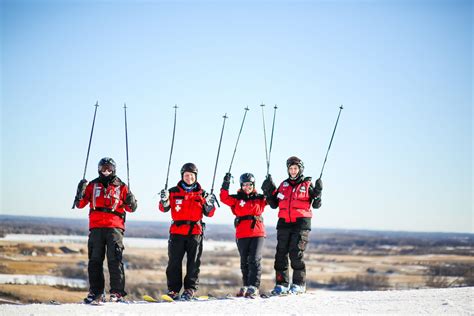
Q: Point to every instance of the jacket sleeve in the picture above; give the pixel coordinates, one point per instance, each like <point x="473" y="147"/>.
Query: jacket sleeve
<point x="226" y="198"/>
<point x="162" y="208"/>
<point x="86" y="198"/>
<point x="123" y="197"/>
<point x="208" y="212"/>
<point x="272" y="199"/>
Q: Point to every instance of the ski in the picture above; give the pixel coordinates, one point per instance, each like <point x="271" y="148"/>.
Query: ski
<point x="149" y="299"/>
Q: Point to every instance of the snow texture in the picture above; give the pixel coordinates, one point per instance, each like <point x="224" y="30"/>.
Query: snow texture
<point x="454" y="301"/>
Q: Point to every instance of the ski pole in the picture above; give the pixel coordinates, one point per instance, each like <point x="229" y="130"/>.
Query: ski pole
<point x="271" y="139"/>
<point x="172" y="144"/>
<point x="335" y="126"/>
<point x="88" y="148"/>
<point x="238" y="137"/>
<point x="126" y="144"/>
<point x="265" y="135"/>
<point x="217" y="159"/>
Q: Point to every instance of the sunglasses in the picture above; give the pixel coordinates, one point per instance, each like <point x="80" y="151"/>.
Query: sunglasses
<point x="107" y="168"/>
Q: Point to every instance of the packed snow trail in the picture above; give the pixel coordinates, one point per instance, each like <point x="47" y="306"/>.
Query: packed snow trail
<point x="454" y="301"/>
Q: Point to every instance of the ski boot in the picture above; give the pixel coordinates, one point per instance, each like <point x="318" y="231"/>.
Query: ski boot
<point x="94" y="299"/>
<point x="242" y="292"/>
<point x="174" y="295"/>
<point x="187" y="295"/>
<point x="297" y="289"/>
<point x="252" y="292"/>
<point x="116" y="298"/>
<point x="279" y="290"/>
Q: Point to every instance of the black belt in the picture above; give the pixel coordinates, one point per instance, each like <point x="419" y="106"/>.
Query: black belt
<point x="190" y="223"/>
<point x="109" y="210"/>
<point x="253" y="218"/>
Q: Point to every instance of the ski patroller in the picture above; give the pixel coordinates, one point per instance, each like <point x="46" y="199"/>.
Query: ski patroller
<point x="88" y="150"/>
<point x="330" y="142"/>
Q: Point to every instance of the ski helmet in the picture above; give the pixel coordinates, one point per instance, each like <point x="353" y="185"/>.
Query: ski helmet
<point x="189" y="167"/>
<point x="293" y="160"/>
<point x="247" y="177"/>
<point x="107" y="162"/>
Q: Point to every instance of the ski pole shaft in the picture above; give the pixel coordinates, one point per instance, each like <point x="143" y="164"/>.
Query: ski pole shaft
<point x="271" y="139"/>
<point x="238" y="137"/>
<point x="265" y="136"/>
<point x="89" y="147"/>
<point x="126" y="144"/>
<point x="172" y="144"/>
<point x="218" y="151"/>
<point x="334" y="131"/>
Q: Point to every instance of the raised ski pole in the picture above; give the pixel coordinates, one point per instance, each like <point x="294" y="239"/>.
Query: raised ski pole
<point x="335" y="126"/>
<point x="126" y="144"/>
<point x="217" y="159"/>
<point x="172" y="144"/>
<point x="88" y="148"/>
<point x="265" y="136"/>
<point x="271" y="139"/>
<point x="238" y="137"/>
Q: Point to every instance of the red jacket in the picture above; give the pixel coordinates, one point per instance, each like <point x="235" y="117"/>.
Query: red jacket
<point x="242" y="204"/>
<point x="104" y="202"/>
<point x="187" y="209"/>
<point x="294" y="199"/>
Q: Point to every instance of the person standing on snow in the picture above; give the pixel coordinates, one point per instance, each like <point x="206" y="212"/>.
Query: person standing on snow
<point x="188" y="203"/>
<point x="294" y="198"/>
<point x="248" y="207"/>
<point x="109" y="198"/>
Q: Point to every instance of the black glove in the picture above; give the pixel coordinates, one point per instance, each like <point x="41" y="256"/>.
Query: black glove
<point x="131" y="201"/>
<point x="165" y="197"/>
<point x="316" y="203"/>
<point x="81" y="189"/>
<point x="318" y="185"/>
<point x="268" y="186"/>
<point x="226" y="183"/>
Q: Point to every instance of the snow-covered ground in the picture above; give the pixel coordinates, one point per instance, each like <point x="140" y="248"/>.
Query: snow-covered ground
<point x="454" y="301"/>
<point x="42" y="280"/>
<point x="131" y="242"/>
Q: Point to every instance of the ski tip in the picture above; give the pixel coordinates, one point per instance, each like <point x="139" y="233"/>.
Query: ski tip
<point x="148" y="298"/>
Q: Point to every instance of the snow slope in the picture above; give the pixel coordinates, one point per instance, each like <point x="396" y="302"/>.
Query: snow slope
<point x="454" y="301"/>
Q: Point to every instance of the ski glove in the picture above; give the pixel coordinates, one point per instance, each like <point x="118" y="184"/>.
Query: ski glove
<point x="209" y="205"/>
<point x="81" y="189"/>
<point x="131" y="201"/>
<point x="165" y="197"/>
<point x="226" y="183"/>
<point x="318" y="185"/>
<point x="316" y="203"/>
<point x="268" y="186"/>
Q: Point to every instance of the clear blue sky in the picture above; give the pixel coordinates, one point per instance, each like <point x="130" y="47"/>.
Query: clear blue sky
<point x="402" y="154"/>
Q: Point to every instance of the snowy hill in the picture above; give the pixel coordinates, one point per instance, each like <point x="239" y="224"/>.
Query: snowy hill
<point x="457" y="301"/>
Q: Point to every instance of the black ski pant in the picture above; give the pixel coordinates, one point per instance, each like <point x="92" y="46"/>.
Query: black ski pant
<point x="104" y="241"/>
<point x="178" y="245"/>
<point x="291" y="242"/>
<point x="250" y="250"/>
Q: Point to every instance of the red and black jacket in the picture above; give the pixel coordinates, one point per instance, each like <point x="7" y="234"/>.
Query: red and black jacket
<point x="293" y="198"/>
<point x="187" y="210"/>
<point x="107" y="203"/>
<point x="248" y="209"/>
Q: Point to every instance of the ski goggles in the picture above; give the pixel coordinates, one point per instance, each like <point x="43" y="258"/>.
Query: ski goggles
<point x="247" y="184"/>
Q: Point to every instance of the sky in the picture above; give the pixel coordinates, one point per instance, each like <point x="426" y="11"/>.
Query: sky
<point x="401" y="158"/>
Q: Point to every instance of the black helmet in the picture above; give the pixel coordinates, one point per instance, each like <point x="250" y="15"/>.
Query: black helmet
<point x="247" y="177"/>
<point x="109" y="162"/>
<point x="189" y="167"/>
<point x="293" y="160"/>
